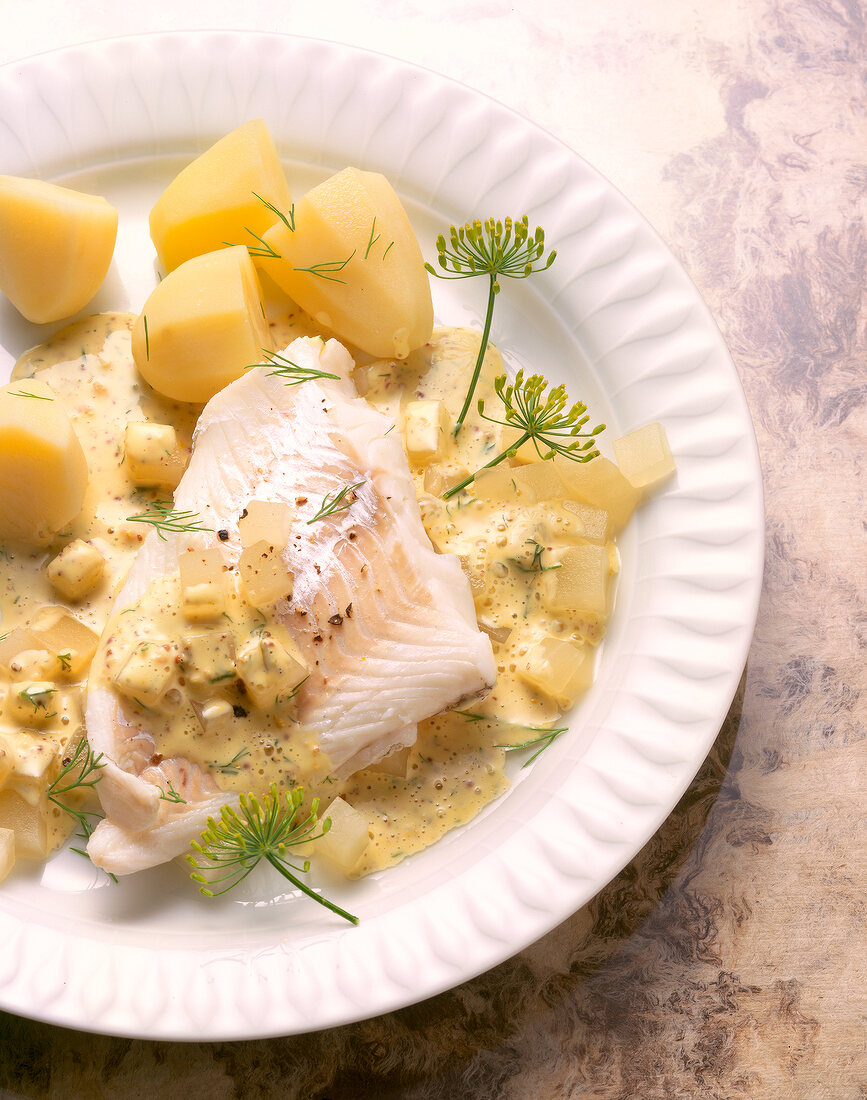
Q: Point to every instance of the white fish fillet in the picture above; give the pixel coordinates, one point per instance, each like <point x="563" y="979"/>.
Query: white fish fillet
<point x="406" y="645"/>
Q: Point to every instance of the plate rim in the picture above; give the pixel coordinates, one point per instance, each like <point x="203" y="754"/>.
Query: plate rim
<point x="189" y="1021"/>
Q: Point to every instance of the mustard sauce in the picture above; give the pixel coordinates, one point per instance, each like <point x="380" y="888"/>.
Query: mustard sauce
<point x="89" y="367"/>
<point x="203" y="712"/>
<point x="512" y="543"/>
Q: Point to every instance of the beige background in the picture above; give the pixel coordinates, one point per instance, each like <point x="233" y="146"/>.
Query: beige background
<point x="728" y="959"/>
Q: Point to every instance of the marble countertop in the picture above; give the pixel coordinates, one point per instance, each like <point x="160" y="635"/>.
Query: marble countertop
<point x="727" y="960"/>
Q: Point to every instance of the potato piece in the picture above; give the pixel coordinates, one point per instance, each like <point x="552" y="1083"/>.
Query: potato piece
<point x="43" y="471"/>
<point x="595" y="522"/>
<point x="28" y="822"/>
<point x="208" y="658"/>
<point x="152" y="456"/>
<point x="265" y="520"/>
<point x="16" y="643"/>
<point x="347" y="838"/>
<point x="559" y="668"/>
<point x="425" y="429"/>
<point x="146" y="672"/>
<point x="440" y="477"/>
<point x="32" y="664"/>
<point x="600" y="484"/>
<point x="69" y="640"/>
<point x="264" y="574"/>
<point x="271" y="674"/>
<point x="32" y="703"/>
<point x="202" y="593"/>
<point x="396" y="763"/>
<point x="7" y="852"/>
<point x="498" y="483"/>
<point x="202" y="326"/>
<point x="220" y="197"/>
<point x="215" y="715"/>
<point x="644" y="456"/>
<point x="354" y="264"/>
<point x="76" y="570"/>
<point x="580" y="583"/>
<point x="56" y="246"/>
<point x="541" y="480"/>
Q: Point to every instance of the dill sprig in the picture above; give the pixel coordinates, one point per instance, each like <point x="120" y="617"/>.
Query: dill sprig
<point x="546" y="736"/>
<point x="262" y="249"/>
<point x="335" y="502"/>
<point x="291" y="373"/>
<point x="163" y="517"/>
<point x="372" y="240"/>
<point x="328" y="269"/>
<point x="540" y="419"/>
<point x="491" y="248"/>
<point x="535" y="565"/>
<point x="81" y="772"/>
<point x="26" y="393"/>
<point x="287" y="219"/>
<point x="231" y="768"/>
<point x="36" y="698"/>
<point x="236" y="842"/>
<point x="171" y="795"/>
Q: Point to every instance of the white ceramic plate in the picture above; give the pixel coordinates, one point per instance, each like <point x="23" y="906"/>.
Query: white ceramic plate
<point x="617" y="319"/>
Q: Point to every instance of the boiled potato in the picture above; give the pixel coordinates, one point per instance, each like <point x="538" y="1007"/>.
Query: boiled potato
<point x="213" y="201"/>
<point x="541" y="480"/>
<point x="56" y="246"/>
<point x="43" y="471"/>
<point x="202" y="326"/>
<point x="600" y="484"/>
<point x="263" y="574"/>
<point x="644" y="456"/>
<point x="76" y="570"/>
<point x="57" y="631"/>
<point x="580" y="581"/>
<point x="28" y="823"/>
<point x="347" y="838"/>
<point x="152" y="455"/>
<point x="560" y="668"/>
<point x="353" y="263"/>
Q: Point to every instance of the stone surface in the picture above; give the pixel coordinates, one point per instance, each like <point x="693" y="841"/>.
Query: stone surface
<point x="727" y="960"/>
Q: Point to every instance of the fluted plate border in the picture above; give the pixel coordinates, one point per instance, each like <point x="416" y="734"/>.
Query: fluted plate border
<point x="618" y="319"/>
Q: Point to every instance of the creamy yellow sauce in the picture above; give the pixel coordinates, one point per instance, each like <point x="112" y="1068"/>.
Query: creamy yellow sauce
<point x="89" y="367"/>
<point x="250" y="747"/>
<point x="508" y="548"/>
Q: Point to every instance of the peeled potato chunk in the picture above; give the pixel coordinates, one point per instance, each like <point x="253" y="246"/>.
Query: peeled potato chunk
<point x="56" y="246"/>
<point x="220" y="197"/>
<point x="43" y="471"/>
<point x="600" y="484"/>
<point x="353" y="263"/>
<point x="202" y="326"/>
<point x="644" y="456"/>
<point x="347" y="838"/>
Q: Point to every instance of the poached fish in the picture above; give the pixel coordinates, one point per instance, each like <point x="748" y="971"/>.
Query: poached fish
<point x="374" y="630"/>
